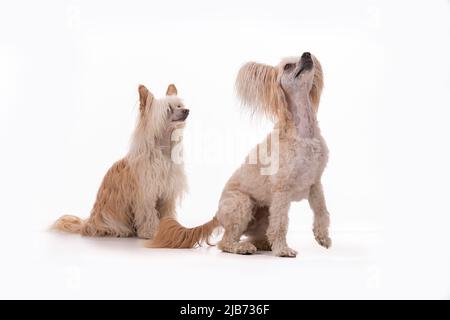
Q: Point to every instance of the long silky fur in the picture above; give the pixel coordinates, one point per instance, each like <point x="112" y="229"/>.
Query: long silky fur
<point x="258" y="88"/>
<point x="68" y="223"/>
<point x="171" y="234"/>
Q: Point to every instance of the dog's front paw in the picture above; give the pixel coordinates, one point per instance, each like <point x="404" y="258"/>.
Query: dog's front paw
<point x="323" y="239"/>
<point x="285" y="252"/>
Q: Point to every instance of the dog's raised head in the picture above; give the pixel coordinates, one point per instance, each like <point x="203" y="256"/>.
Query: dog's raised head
<point x="296" y="73"/>
<point x="263" y="88"/>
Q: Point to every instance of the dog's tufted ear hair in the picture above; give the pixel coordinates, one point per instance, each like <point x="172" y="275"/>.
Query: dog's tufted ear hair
<point x="258" y="88"/>
<point x="171" y="90"/>
<point x="145" y="97"/>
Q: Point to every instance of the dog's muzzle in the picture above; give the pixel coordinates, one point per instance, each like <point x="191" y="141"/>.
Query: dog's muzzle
<point x="306" y="63"/>
<point x="183" y="115"/>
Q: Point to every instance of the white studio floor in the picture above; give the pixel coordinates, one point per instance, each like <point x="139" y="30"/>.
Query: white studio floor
<point x="69" y="266"/>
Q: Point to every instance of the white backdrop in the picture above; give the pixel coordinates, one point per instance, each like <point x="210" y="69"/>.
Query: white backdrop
<point x="69" y="72"/>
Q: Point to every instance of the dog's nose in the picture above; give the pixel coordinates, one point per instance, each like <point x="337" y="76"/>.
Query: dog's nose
<point x="186" y="111"/>
<point x="306" y="55"/>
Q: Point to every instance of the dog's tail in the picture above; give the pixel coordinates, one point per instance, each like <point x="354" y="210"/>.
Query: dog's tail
<point x="68" y="223"/>
<point x="171" y="234"/>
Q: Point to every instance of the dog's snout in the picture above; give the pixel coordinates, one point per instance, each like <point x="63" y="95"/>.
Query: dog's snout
<point x="186" y="111"/>
<point x="305" y="63"/>
<point x="306" y="55"/>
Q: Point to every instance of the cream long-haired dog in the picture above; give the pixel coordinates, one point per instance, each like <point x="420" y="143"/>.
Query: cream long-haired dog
<point x="255" y="201"/>
<point x="143" y="187"/>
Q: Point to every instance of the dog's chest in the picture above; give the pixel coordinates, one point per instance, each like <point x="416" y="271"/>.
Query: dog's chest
<point x="161" y="178"/>
<point x="308" y="160"/>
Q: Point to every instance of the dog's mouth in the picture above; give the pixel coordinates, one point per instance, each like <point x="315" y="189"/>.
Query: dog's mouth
<point x="306" y="63"/>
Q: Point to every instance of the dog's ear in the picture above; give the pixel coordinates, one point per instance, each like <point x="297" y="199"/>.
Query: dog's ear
<point x="144" y="95"/>
<point x="171" y="90"/>
<point x="258" y="88"/>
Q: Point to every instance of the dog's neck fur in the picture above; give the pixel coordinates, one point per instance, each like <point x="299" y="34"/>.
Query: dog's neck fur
<point x="303" y="122"/>
<point x="165" y="142"/>
<point x="142" y="146"/>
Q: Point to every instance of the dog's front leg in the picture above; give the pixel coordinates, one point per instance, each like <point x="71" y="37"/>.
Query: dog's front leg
<point x="278" y="225"/>
<point x="321" y="216"/>
<point x="146" y="221"/>
<point x="167" y="208"/>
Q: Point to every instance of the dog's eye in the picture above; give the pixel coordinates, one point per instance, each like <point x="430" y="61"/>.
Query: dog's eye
<point x="179" y="107"/>
<point x="288" y="66"/>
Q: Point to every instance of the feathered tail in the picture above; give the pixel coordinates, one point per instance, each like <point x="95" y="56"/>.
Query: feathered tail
<point x="68" y="223"/>
<point x="171" y="234"/>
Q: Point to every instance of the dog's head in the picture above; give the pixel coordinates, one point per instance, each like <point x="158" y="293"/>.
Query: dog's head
<point x="158" y="116"/>
<point x="296" y="75"/>
<point x="263" y="88"/>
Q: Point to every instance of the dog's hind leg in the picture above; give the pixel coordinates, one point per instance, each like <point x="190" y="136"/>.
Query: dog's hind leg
<point x="321" y="216"/>
<point x="234" y="214"/>
<point x="108" y="228"/>
<point x="92" y="229"/>
<point x="257" y="228"/>
<point x="229" y="243"/>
